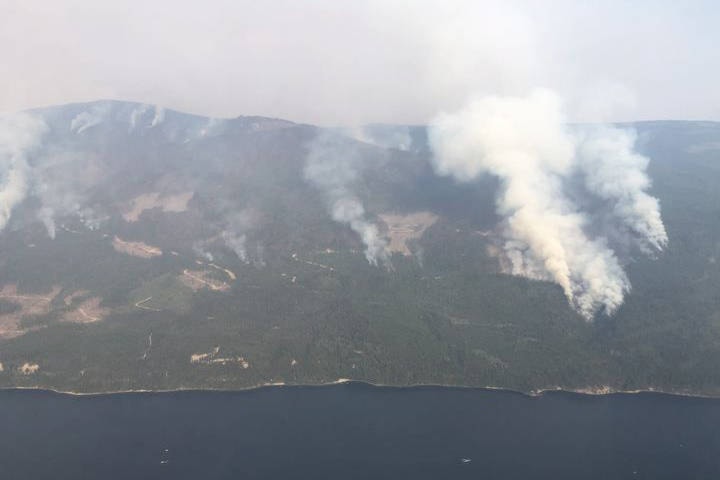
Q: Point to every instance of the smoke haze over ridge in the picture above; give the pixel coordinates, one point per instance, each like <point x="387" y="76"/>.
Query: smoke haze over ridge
<point x="333" y="63"/>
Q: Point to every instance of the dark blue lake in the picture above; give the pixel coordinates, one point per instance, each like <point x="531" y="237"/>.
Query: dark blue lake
<point x="357" y="431"/>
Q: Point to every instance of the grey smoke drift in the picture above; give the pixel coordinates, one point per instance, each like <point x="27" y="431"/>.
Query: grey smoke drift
<point x="53" y="177"/>
<point x="20" y="134"/>
<point x="524" y="141"/>
<point x="57" y="178"/>
<point x="332" y="166"/>
<point x="234" y="230"/>
<point x="398" y="137"/>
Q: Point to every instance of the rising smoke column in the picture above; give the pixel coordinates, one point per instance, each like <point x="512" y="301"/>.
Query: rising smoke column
<point x="524" y="142"/>
<point x="234" y="233"/>
<point x="615" y="173"/>
<point x="62" y="180"/>
<point x="20" y="134"/>
<point x="332" y="166"/>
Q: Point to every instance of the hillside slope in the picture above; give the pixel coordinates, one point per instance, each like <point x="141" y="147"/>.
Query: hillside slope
<point x="158" y="250"/>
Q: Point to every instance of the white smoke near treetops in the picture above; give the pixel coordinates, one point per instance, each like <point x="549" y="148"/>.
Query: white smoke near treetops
<point x="139" y="117"/>
<point x="137" y="114"/>
<point x="159" y="117"/>
<point x="332" y="166"/>
<point x="20" y="134"/>
<point x="525" y="142"/>
<point x="90" y="118"/>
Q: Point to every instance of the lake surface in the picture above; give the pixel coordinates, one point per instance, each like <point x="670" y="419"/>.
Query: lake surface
<point x="357" y="431"/>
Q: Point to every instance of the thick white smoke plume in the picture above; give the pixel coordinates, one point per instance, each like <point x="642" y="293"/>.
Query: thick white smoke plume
<point x="525" y="142"/>
<point x="20" y="134"/>
<point x="615" y="173"/>
<point x="332" y="166"/>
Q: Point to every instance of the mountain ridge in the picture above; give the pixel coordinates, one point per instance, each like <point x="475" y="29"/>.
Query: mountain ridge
<point x="165" y="250"/>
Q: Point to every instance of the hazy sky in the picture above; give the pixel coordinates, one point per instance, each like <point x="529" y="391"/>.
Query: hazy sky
<point x="351" y="62"/>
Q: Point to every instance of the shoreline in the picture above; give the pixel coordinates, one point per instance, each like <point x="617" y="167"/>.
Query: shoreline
<point x="587" y="391"/>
